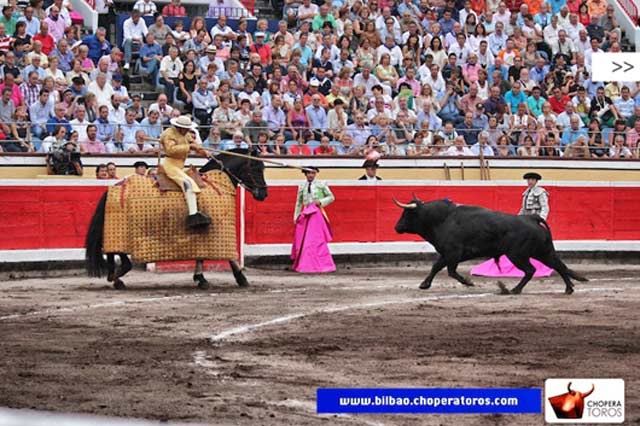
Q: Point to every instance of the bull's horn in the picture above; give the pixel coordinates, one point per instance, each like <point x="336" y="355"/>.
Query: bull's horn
<point x="415" y="197"/>
<point x="404" y="206"/>
<point x="569" y="386"/>
<point x="586" y="394"/>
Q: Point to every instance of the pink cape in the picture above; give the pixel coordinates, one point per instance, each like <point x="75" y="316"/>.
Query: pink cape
<point x="310" y="252"/>
<point x="507" y="269"/>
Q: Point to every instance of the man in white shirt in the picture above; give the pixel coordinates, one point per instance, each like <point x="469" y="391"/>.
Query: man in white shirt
<point x="460" y="49"/>
<point x="170" y="68"/>
<point x="224" y="30"/>
<point x="134" y="31"/>
<point x="564" y="46"/>
<point x="367" y="80"/>
<point x="392" y="49"/>
<point x="434" y="79"/>
<point x="145" y="7"/>
<point x="550" y="32"/>
<point x="574" y="27"/>
<point x="116" y="111"/>
<point x="101" y="88"/>
<point x="307" y="11"/>
<point x="80" y="123"/>
<point x="459" y="148"/>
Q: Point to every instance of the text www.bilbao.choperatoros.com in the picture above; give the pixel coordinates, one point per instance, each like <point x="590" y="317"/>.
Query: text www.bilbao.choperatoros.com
<point x="420" y="401"/>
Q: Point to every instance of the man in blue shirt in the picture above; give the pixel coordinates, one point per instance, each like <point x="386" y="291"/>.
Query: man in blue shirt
<point x="98" y="45"/>
<point x="317" y="117"/>
<point x="514" y="97"/>
<point x="539" y="70"/>
<point x="59" y="119"/>
<point x="573" y="133"/>
<point x="150" y="57"/>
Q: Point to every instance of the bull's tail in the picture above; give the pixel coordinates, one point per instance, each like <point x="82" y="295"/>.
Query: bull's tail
<point x="94" y="260"/>
<point x="573" y="274"/>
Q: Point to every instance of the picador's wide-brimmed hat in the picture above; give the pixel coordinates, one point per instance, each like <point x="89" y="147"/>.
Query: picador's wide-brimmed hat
<point x="184" y="122"/>
<point x="532" y="175"/>
<point x="308" y="169"/>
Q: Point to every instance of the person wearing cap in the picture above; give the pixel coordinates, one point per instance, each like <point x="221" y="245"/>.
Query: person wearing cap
<point x="119" y="89"/>
<point x="309" y="251"/>
<point x="371" y="171"/>
<point x="535" y="199"/>
<point x="140" y="168"/>
<point x="261" y="48"/>
<point x="208" y="58"/>
<point x="177" y="142"/>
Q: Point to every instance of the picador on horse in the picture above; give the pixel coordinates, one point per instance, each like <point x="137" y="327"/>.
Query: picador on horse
<point x="148" y="219"/>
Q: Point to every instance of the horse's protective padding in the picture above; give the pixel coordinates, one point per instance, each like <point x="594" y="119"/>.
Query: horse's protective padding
<point x="151" y="225"/>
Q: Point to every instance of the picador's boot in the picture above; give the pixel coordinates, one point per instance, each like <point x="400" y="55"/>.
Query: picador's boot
<point x="196" y="219"/>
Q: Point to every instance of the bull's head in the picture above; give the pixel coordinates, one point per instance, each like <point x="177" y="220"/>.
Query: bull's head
<point x="570" y="405"/>
<point x="407" y="222"/>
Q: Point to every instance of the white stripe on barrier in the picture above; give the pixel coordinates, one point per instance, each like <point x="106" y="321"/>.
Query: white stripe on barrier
<point x="408" y="247"/>
<point x="390" y="247"/>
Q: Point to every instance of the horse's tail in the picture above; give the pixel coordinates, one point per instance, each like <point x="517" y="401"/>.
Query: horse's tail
<point x="94" y="260"/>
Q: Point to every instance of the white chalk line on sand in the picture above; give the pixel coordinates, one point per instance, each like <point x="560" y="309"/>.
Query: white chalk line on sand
<point x="243" y="329"/>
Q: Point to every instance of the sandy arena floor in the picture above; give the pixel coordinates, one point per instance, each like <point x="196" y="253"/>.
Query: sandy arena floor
<point x="164" y="350"/>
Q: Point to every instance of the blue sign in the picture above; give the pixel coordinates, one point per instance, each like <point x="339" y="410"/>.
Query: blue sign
<point x="430" y="400"/>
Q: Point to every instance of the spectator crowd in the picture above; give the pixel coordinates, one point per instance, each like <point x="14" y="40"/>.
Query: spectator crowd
<point x="343" y="77"/>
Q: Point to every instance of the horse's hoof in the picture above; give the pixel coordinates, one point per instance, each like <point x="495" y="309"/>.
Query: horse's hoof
<point x="242" y="281"/>
<point x="203" y="284"/>
<point x="118" y="284"/>
<point x="424" y="286"/>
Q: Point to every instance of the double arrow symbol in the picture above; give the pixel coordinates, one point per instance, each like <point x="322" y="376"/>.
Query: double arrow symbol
<point x="618" y="66"/>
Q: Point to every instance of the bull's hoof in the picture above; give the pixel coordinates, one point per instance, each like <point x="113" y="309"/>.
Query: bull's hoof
<point x="118" y="284"/>
<point x="424" y="285"/>
<point x="469" y="284"/>
<point x="503" y="288"/>
<point x="568" y="290"/>
<point x="111" y="276"/>
<point x="203" y="284"/>
<point x="516" y="290"/>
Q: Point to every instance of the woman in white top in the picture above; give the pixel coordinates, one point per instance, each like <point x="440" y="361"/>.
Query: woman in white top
<point x="57" y="74"/>
<point x="436" y="50"/>
<point x="426" y="95"/>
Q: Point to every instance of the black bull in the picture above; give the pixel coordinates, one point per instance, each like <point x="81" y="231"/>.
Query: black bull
<point x="460" y="233"/>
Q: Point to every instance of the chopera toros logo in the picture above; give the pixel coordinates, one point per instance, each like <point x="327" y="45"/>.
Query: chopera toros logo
<point x="584" y="400"/>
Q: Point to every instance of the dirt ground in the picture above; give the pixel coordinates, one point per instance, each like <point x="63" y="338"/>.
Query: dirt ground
<point x="163" y="350"/>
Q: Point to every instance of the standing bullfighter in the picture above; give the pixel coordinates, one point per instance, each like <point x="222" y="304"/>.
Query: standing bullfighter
<point x="535" y="200"/>
<point x="310" y="251"/>
<point x="177" y="141"/>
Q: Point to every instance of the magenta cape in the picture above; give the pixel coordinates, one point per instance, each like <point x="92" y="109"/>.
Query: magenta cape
<point x="310" y="251"/>
<point x="507" y="269"/>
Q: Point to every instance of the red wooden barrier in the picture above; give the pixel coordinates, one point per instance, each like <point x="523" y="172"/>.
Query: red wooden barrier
<point x="41" y="217"/>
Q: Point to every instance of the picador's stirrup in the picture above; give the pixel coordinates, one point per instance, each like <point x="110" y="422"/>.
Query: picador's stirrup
<point x="198" y="220"/>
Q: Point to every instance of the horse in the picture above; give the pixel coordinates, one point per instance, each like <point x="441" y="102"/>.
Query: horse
<point x="229" y="170"/>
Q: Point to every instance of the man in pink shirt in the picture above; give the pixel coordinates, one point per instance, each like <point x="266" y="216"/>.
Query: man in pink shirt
<point x="92" y="145"/>
<point x="633" y="136"/>
<point x="56" y="23"/>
